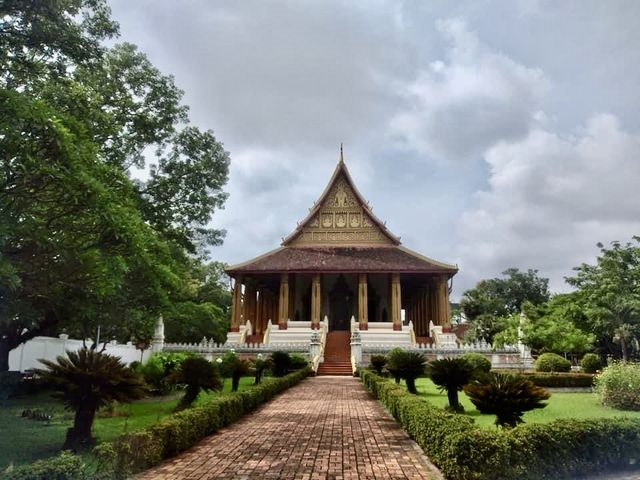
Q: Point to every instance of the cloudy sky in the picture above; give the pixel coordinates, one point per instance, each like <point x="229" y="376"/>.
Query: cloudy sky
<point x="489" y="134"/>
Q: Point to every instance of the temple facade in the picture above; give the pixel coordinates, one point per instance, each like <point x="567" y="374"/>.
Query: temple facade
<point x="340" y="270"/>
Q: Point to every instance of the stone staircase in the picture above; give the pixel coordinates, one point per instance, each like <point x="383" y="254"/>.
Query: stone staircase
<point x="337" y="354"/>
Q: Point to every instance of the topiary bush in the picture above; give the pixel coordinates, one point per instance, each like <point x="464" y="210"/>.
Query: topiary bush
<point x="377" y="363"/>
<point x="618" y="386"/>
<point x="408" y="366"/>
<point x="297" y="361"/>
<point x="552" y="362"/>
<point x="281" y="363"/>
<point x="394" y="358"/>
<point x="591" y="363"/>
<point x="481" y="364"/>
<point x="65" y="466"/>
<point x="450" y="375"/>
<point x="507" y="397"/>
<point x="196" y="374"/>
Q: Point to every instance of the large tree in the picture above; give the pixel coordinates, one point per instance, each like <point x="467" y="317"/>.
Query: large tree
<point x="487" y="304"/>
<point x="609" y="293"/>
<point x="81" y="243"/>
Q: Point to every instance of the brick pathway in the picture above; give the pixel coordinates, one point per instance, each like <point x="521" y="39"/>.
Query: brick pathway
<point x="324" y="428"/>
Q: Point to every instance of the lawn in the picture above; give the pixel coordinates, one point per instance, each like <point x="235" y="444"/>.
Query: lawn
<point x="560" y="405"/>
<point x="23" y="440"/>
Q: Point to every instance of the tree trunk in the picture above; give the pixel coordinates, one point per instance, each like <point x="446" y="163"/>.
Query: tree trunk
<point x="452" y="395"/>
<point x="235" y="383"/>
<point x="79" y="436"/>
<point x="623" y="345"/>
<point x="190" y="395"/>
<point x="411" y="385"/>
<point x="4" y="355"/>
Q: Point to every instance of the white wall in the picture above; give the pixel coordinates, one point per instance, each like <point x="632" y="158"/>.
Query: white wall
<point x="26" y="356"/>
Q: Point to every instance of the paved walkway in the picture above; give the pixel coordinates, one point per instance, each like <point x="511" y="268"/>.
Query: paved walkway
<point x="324" y="428"/>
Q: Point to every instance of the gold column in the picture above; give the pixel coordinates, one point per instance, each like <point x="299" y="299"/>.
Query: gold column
<point x="443" y="303"/>
<point x="236" y="305"/>
<point x="363" y="302"/>
<point x="249" y="304"/>
<point x="396" y="301"/>
<point x="316" y="302"/>
<point x="257" y="328"/>
<point x="283" y="302"/>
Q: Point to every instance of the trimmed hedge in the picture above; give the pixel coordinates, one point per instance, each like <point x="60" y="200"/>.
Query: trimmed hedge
<point x="464" y="451"/>
<point x="137" y="451"/>
<point x="559" y="380"/>
<point x="65" y="466"/>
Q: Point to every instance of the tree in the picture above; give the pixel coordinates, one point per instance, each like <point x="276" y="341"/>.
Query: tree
<point x="451" y="374"/>
<point x="81" y="243"/>
<point x="486" y="305"/>
<point x="196" y="374"/>
<point x="86" y="380"/>
<point x="407" y="366"/>
<point x="507" y="397"/>
<point x="609" y="294"/>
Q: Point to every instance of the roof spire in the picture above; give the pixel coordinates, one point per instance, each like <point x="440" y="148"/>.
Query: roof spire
<point x="341" y="154"/>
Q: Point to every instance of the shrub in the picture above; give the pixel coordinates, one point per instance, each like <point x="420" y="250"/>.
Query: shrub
<point x="590" y="363"/>
<point x="558" y="380"/>
<point x="137" y="451"/>
<point x="479" y="362"/>
<point x="297" y="361"/>
<point x="281" y="362"/>
<point x="552" y="362"/>
<point x="619" y="386"/>
<point x="507" y="397"/>
<point x="196" y="374"/>
<point x="86" y="380"/>
<point x="65" y="466"/>
<point x="408" y="366"/>
<point x="394" y="358"/>
<point x="157" y="369"/>
<point x="9" y="384"/>
<point x="377" y="363"/>
<point x="450" y="375"/>
<point x="234" y="367"/>
<point x="259" y="365"/>
<point x="464" y="451"/>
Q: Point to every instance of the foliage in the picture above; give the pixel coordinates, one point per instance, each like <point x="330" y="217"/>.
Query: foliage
<point x="196" y="374"/>
<point x="451" y="374"/>
<point x="464" y="451"/>
<point x="619" y="386"/>
<point x="552" y="362"/>
<point x="9" y="384"/>
<point x="65" y="466"/>
<point x="491" y="301"/>
<point x="234" y="367"/>
<point x="609" y="294"/>
<point x="507" y="397"/>
<point x="137" y="451"/>
<point x="393" y="359"/>
<point x="480" y="364"/>
<point x="81" y="243"/>
<point x="408" y="366"/>
<point x="557" y="380"/>
<point x="377" y="363"/>
<point x="259" y="366"/>
<point x="157" y="369"/>
<point x="86" y="380"/>
<point x="280" y="363"/>
<point x="298" y="361"/>
<point x="591" y="363"/>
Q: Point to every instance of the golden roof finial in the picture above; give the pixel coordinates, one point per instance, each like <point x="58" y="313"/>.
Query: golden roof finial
<point x="341" y="154"/>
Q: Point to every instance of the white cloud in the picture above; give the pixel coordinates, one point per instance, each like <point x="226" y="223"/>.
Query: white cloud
<point x="551" y="198"/>
<point x="461" y="106"/>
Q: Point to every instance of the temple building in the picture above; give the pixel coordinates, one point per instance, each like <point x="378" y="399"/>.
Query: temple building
<point x="341" y="269"/>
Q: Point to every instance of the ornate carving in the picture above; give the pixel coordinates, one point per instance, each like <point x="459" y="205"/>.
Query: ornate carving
<point x="341" y="220"/>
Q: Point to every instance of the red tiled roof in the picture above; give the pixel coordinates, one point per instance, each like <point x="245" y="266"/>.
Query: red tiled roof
<point x="343" y="259"/>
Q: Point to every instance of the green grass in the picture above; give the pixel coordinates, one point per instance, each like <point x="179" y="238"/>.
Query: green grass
<point x="560" y="405"/>
<point x="23" y="440"/>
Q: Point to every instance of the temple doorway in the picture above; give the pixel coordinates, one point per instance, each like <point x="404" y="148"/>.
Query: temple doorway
<point x="340" y="305"/>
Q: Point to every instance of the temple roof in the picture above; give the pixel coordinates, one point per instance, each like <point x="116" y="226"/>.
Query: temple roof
<point x="326" y="259"/>
<point x="341" y="234"/>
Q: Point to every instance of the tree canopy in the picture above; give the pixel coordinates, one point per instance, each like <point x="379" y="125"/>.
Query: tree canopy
<point x="82" y="242"/>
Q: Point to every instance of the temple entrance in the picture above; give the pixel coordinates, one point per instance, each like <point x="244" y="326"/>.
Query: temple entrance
<point x="340" y="305"/>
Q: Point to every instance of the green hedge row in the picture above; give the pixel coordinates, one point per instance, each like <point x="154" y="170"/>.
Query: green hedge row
<point x="462" y="450"/>
<point x="560" y="380"/>
<point x="137" y="451"/>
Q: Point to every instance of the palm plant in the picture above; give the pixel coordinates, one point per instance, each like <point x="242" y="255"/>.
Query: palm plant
<point x="408" y="366"/>
<point x="507" y="397"/>
<point x="378" y="362"/>
<point x="394" y="360"/>
<point x="86" y="380"/>
<point x="451" y="374"/>
<point x="197" y="374"/>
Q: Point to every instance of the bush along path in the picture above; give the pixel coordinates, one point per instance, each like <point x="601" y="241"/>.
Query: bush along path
<point x="462" y="450"/>
<point x="326" y="427"/>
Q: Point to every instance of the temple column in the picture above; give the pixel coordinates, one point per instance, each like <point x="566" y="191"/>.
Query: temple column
<point x="283" y="302"/>
<point x="316" y="302"/>
<point x="236" y="305"/>
<point x="442" y="303"/>
<point x="396" y="302"/>
<point x="363" y="302"/>
<point x="249" y="306"/>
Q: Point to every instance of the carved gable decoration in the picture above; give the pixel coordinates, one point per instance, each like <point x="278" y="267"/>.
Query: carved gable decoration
<point x="341" y="219"/>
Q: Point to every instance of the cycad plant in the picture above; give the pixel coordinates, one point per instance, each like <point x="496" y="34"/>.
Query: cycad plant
<point x="196" y="374"/>
<point x="451" y="374"/>
<point x="86" y="380"/>
<point x="408" y="366"/>
<point x="507" y="397"/>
